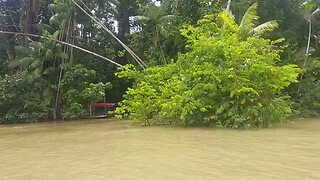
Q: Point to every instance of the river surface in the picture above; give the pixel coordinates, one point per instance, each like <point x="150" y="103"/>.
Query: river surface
<point x="100" y="149"/>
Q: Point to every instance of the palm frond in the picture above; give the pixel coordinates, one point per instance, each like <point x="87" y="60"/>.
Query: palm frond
<point x="22" y="51"/>
<point x="166" y="24"/>
<point x="49" y="54"/>
<point x="55" y="20"/>
<point x="247" y="22"/>
<point x="36" y="45"/>
<point x="53" y="7"/>
<point x="45" y="28"/>
<point x="140" y="19"/>
<point x="168" y="18"/>
<point x="228" y="18"/>
<point x="49" y="70"/>
<point x="265" y="27"/>
<point x="24" y="62"/>
<point x="36" y="63"/>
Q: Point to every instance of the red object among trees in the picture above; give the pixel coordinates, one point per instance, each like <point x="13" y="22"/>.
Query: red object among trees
<point x="107" y="106"/>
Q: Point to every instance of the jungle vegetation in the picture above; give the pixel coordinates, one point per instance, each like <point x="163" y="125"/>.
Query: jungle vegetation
<point x="222" y="63"/>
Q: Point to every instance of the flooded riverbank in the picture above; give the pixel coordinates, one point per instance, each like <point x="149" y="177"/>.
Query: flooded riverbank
<point x="114" y="150"/>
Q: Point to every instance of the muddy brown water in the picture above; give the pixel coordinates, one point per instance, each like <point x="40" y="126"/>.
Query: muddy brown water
<point x="113" y="150"/>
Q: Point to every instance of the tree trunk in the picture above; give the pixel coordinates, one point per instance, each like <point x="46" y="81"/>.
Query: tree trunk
<point x="71" y="40"/>
<point x="30" y="17"/>
<point x="31" y="10"/>
<point x="123" y="27"/>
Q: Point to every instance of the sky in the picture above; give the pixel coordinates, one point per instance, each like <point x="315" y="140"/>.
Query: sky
<point x="157" y="3"/>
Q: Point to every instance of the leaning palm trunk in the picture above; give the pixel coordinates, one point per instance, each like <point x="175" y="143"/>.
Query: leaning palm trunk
<point x="309" y="42"/>
<point x="307" y="51"/>
<point x="228" y="5"/>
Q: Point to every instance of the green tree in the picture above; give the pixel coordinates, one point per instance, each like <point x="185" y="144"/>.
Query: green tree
<point x="223" y="80"/>
<point x="157" y="34"/>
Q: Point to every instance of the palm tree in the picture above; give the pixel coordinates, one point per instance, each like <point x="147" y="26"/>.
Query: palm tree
<point x="64" y="19"/>
<point x="159" y="26"/>
<point x="247" y="26"/>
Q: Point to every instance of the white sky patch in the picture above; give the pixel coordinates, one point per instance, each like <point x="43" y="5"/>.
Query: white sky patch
<point x="157" y="3"/>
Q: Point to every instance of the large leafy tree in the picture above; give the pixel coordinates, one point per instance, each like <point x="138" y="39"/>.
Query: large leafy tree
<point x="223" y="80"/>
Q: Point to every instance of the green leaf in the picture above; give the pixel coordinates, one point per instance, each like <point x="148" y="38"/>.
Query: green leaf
<point x="36" y="45"/>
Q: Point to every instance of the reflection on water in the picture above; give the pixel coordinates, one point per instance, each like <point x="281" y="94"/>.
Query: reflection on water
<point x="113" y="150"/>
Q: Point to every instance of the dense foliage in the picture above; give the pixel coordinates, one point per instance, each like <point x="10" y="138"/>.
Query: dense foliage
<point x="80" y="92"/>
<point x="21" y="99"/>
<point x="203" y="67"/>
<point x="222" y="80"/>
